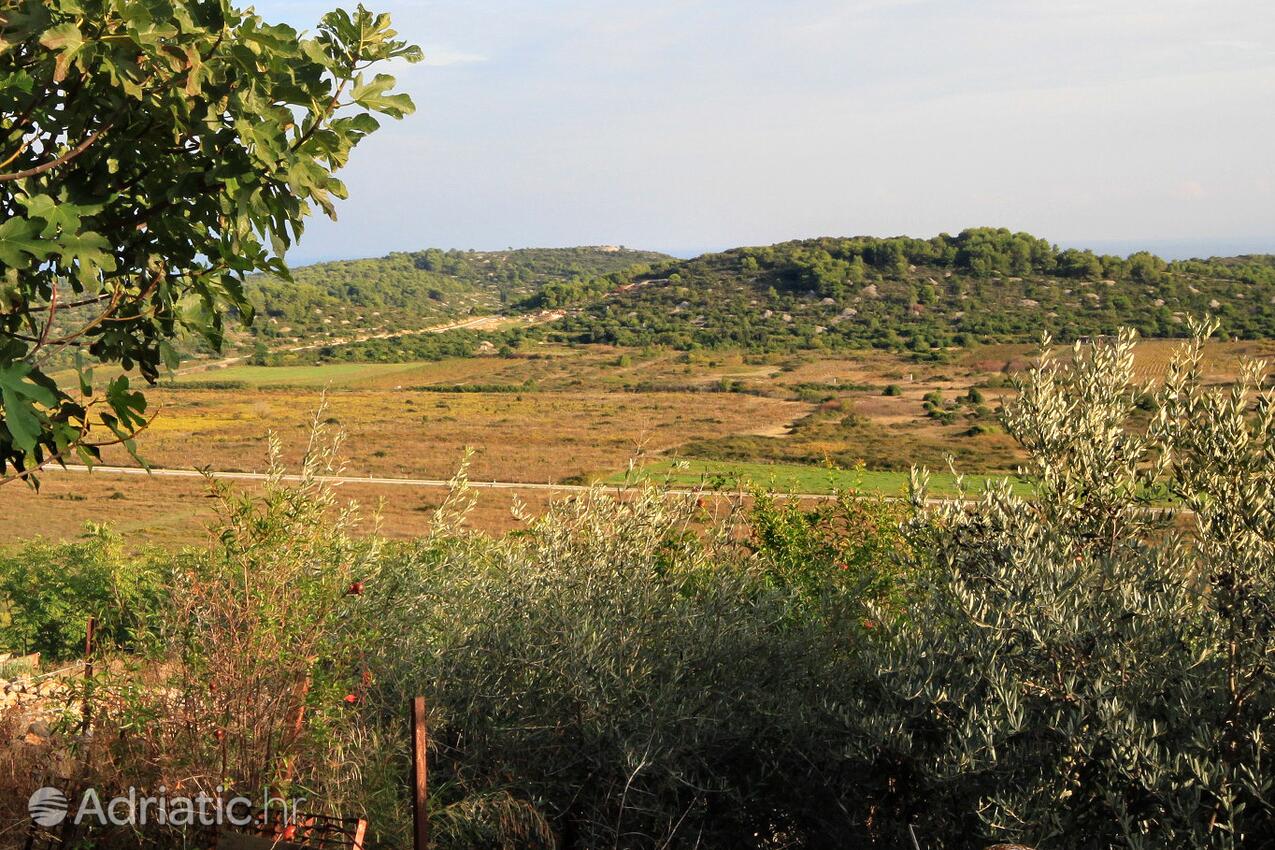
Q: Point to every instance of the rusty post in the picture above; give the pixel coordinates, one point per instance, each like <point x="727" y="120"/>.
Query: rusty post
<point x="88" y="673"/>
<point x="68" y="825"/>
<point x="420" y="776"/>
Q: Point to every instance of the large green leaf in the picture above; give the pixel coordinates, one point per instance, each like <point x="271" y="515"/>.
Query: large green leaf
<point x="20" y="242"/>
<point x="67" y="40"/>
<point x="372" y="95"/>
<point x="89" y="251"/>
<point x="20" y="396"/>
<point x="62" y="37"/>
<point x="64" y="217"/>
<point x="128" y="404"/>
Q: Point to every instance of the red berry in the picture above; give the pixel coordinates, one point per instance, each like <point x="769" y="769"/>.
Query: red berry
<point x="356" y="589"/>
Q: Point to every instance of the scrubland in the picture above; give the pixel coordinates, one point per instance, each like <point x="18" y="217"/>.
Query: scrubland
<point x="804" y="423"/>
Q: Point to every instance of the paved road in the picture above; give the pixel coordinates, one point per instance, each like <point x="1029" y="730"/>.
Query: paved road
<point x="162" y="472"/>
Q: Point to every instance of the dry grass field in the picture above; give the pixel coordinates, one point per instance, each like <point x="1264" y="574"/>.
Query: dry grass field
<point x="562" y="415"/>
<point x="1221" y="361"/>
<point x="176" y="512"/>
<point x="526" y="436"/>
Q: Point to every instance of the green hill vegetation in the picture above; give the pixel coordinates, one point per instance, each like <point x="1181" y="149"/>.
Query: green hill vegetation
<point x="405" y="291"/>
<point x="983" y="285"/>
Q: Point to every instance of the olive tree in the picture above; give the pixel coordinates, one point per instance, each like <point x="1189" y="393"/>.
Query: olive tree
<point x="1091" y="666"/>
<point x="153" y="153"/>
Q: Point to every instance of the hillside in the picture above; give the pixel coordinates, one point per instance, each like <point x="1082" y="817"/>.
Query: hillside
<point x="404" y="291"/>
<point x="984" y="285"/>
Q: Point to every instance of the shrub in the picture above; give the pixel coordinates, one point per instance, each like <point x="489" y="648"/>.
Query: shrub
<point x="844" y="551"/>
<point x="48" y="591"/>
<point x="637" y="683"/>
<point x="260" y="685"/>
<point x="1078" y="672"/>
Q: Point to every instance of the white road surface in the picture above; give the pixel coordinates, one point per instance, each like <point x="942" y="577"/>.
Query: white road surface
<point x="164" y="472"/>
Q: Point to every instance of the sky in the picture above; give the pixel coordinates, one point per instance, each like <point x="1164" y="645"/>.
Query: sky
<point x="699" y="125"/>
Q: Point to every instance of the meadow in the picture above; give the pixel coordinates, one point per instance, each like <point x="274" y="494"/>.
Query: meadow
<point x="801" y="423"/>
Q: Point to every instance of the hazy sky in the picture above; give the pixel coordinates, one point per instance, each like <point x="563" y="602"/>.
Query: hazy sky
<point x="700" y="124"/>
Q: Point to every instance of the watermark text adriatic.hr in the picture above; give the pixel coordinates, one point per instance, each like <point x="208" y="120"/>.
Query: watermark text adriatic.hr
<point x="50" y="807"/>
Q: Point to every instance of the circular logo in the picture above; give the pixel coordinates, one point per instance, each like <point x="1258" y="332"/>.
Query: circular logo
<point x="47" y="806"/>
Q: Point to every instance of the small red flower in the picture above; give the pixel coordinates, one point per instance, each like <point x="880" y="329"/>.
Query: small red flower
<point x="290" y="832"/>
<point x="351" y="699"/>
<point x="869" y="624"/>
<point x="356" y="589"/>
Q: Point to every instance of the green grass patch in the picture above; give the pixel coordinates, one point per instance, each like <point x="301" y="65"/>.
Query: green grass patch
<point x="800" y="478"/>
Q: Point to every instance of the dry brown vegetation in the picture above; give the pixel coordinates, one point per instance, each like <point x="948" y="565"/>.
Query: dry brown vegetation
<point x="562" y="415"/>
<point x="176" y="512"/>
<point x="530" y="437"/>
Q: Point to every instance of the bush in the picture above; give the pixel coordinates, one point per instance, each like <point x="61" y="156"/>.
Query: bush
<point x="254" y="680"/>
<point x="1076" y="671"/>
<point x="635" y="683"/>
<point x="261" y="679"/>
<point x="48" y="591"/>
<point x="844" y="551"/>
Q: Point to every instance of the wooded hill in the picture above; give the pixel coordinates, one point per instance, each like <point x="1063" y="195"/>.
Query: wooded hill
<point x="404" y="291"/>
<point x="983" y="285"/>
<point x="926" y="295"/>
